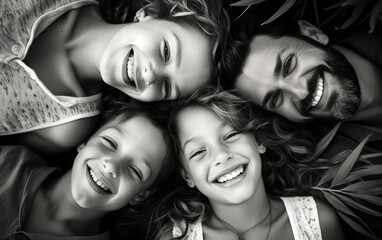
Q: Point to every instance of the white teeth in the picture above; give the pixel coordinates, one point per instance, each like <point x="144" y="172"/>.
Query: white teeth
<point x="229" y="176"/>
<point x="97" y="181"/>
<point x="319" y="92"/>
<point x="130" y="68"/>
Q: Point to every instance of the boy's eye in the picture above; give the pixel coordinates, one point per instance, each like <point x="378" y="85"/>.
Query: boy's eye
<point x="166" y="52"/>
<point x="109" y="142"/>
<point x="137" y="173"/>
<point x="276" y="99"/>
<point x="197" y="153"/>
<point x="290" y="64"/>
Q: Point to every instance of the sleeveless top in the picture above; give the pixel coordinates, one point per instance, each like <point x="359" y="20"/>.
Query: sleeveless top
<point x="302" y="214"/>
<point x="26" y="103"/>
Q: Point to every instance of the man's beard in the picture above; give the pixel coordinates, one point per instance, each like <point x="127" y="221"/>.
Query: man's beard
<point x="348" y="95"/>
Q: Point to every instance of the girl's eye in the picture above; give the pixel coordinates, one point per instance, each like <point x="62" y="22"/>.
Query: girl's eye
<point x="137" y="173"/>
<point x="197" y="153"/>
<point x="167" y="89"/>
<point x="109" y="142"/>
<point x="166" y="52"/>
<point x="290" y="64"/>
<point x="230" y="135"/>
<point x="275" y="100"/>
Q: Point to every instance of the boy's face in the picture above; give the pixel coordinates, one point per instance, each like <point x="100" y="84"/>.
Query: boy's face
<point x="121" y="160"/>
<point x="157" y="60"/>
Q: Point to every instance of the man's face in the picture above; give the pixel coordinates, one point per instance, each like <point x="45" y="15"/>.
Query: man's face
<point x="299" y="80"/>
<point x="157" y="60"/>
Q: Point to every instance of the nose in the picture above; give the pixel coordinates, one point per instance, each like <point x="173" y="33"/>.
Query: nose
<point x="148" y="76"/>
<point x="295" y="86"/>
<point x="223" y="155"/>
<point x="110" y="167"/>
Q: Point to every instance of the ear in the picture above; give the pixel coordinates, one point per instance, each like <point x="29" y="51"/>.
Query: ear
<point x="261" y="148"/>
<point x="312" y="32"/>
<point x="80" y="147"/>
<point x="141" y="197"/>
<point x="187" y="178"/>
<point x="141" y="16"/>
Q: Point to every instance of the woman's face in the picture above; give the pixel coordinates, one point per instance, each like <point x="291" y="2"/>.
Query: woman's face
<point x="121" y="160"/>
<point x="223" y="164"/>
<point x="157" y="60"/>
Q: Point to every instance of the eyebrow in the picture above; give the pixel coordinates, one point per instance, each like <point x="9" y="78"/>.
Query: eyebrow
<point x="221" y="125"/>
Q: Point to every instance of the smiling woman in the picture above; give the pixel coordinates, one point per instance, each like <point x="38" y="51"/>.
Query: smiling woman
<point x="122" y="163"/>
<point x="57" y="56"/>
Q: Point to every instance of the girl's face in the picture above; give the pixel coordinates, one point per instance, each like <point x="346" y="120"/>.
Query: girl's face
<point x="223" y="164"/>
<point x="121" y="160"/>
<point x="157" y="60"/>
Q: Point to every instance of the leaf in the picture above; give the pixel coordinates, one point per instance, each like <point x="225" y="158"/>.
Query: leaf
<point x="344" y="3"/>
<point x="328" y="175"/>
<point x="367" y="198"/>
<point x="354" y="225"/>
<point x="358" y="206"/>
<point x="376" y="14"/>
<point x="242" y="3"/>
<point x="373" y="187"/>
<point x="355" y="15"/>
<point x="324" y="142"/>
<point x="285" y="7"/>
<point x="371" y="155"/>
<point x="338" y="205"/>
<point x="347" y="165"/>
<point x="364" y="172"/>
<point x="241" y="14"/>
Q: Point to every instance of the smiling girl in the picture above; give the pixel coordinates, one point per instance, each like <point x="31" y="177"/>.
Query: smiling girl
<point x="228" y="160"/>
<point x="55" y="57"/>
<point x="122" y="163"/>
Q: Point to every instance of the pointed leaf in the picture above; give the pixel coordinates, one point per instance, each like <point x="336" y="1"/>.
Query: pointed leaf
<point x="246" y="3"/>
<point x="354" y="17"/>
<point x="328" y="175"/>
<point x="285" y="7"/>
<point x="324" y="142"/>
<point x="358" y="206"/>
<point x="376" y="14"/>
<point x="354" y="225"/>
<point x="241" y="14"/>
<point x="371" y="155"/>
<point x="347" y="3"/>
<point x="347" y="165"/>
<point x="367" y="198"/>
<point x="373" y="187"/>
<point x="364" y="172"/>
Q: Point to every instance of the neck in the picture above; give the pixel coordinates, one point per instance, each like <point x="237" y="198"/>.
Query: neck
<point x="370" y="81"/>
<point x="245" y="215"/>
<point x="91" y="34"/>
<point x="64" y="210"/>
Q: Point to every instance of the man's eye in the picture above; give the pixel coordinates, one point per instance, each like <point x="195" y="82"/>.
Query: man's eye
<point x="230" y="135"/>
<point x="275" y="99"/>
<point x="167" y="89"/>
<point x="109" y="142"/>
<point x="197" y="153"/>
<point x="166" y="52"/>
<point x="138" y="174"/>
<point x="290" y="64"/>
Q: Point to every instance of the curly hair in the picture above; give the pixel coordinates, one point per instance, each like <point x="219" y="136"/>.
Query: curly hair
<point x="288" y="146"/>
<point x="209" y="17"/>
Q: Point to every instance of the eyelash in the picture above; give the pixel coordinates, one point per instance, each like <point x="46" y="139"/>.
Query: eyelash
<point x="166" y="52"/>
<point x="230" y="135"/>
<point x="288" y="64"/>
<point x="110" y="143"/>
<point x="167" y="89"/>
<point x="275" y="97"/>
<point x="137" y="172"/>
<point x="197" y="153"/>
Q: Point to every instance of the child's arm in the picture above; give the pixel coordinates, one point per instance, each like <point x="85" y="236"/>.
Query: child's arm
<point x="329" y="222"/>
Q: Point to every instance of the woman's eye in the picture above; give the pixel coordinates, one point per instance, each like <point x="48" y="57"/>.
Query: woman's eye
<point x="109" y="142"/>
<point x="166" y="52"/>
<point x="230" y="135"/>
<point x="197" y="153"/>
<point x="138" y="174"/>
<point x="275" y="100"/>
<point x="289" y="65"/>
<point x="167" y="89"/>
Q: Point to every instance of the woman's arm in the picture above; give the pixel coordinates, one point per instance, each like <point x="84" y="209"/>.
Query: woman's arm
<point x="329" y="222"/>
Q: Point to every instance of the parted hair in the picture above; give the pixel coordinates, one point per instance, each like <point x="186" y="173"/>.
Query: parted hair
<point x="287" y="147"/>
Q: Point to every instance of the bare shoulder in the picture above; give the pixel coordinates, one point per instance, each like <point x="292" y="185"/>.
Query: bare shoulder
<point x="330" y="225"/>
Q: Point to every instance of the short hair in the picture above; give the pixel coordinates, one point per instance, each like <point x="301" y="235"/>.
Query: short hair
<point x="207" y="16"/>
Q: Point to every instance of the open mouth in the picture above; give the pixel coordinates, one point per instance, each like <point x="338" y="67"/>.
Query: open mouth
<point x="98" y="184"/>
<point x="317" y="95"/>
<point x="228" y="177"/>
<point x="129" y="69"/>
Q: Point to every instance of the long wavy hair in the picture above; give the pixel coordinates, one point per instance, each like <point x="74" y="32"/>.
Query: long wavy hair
<point x="288" y="146"/>
<point x="209" y="17"/>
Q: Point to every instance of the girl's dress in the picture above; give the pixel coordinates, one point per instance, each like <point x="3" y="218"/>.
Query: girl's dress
<point x="302" y="214"/>
<point x="26" y="104"/>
